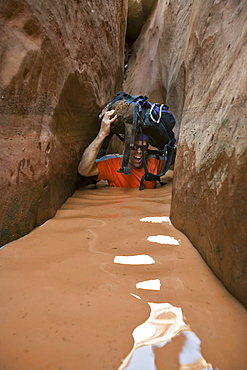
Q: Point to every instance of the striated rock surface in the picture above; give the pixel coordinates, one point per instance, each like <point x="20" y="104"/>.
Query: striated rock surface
<point x="138" y="11"/>
<point x="192" y="56"/>
<point x="210" y="198"/>
<point x="61" y="62"/>
<point x="156" y="66"/>
<point x="135" y="20"/>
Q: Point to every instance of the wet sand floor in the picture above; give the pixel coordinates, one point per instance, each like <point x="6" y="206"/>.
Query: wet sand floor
<point x="65" y="304"/>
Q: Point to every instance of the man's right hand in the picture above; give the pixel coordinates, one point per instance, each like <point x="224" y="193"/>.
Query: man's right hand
<point x="87" y="166"/>
<point x="106" y="122"/>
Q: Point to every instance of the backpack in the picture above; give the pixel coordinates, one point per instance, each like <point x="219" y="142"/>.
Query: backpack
<point x="137" y="115"/>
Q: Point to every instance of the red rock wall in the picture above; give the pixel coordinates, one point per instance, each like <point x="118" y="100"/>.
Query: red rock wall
<point x="192" y="56"/>
<point x="138" y="11"/>
<point x="210" y="199"/>
<point x="61" y="61"/>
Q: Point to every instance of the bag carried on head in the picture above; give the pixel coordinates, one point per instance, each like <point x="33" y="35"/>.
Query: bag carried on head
<point x="137" y="115"/>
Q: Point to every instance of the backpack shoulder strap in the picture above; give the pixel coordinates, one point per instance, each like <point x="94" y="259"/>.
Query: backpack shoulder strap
<point x="130" y="133"/>
<point x="125" y="169"/>
<point x="148" y="176"/>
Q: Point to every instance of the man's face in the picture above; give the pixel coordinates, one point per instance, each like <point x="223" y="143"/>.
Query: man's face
<point x="136" y="155"/>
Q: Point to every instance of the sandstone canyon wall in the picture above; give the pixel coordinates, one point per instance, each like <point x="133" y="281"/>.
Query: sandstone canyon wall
<point x="61" y="61"/>
<point x="192" y="56"/>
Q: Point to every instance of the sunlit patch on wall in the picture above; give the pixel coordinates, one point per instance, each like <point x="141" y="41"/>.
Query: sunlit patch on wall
<point x="156" y="220"/>
<point x="149" y="284"/>
<point x="142" y="259"/>
<point x="163" y="239"/>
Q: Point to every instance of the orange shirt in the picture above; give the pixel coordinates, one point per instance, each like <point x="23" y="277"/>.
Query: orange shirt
<point x="108" y="167"/>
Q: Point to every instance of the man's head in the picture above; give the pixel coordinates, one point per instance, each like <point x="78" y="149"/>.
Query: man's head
<point x="140" y="149"/>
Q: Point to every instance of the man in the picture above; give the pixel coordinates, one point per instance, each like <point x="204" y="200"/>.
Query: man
<point x="107" y="169"/>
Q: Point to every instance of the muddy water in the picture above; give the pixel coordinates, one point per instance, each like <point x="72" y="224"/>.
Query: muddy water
<point x="109" y="283"/>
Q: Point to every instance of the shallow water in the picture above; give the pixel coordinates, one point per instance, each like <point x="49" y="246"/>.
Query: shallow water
<point x="107" y="266"/>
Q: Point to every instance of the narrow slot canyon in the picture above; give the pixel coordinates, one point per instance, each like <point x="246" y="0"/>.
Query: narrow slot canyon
<point x="95" y="277"/>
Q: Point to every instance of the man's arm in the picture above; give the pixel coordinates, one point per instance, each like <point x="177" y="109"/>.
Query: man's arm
<point x="87" y="166"/>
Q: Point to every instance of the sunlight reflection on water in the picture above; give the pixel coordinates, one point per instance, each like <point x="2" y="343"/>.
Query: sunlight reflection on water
<point x="149" y="284"/>
<point x="164" y="323"/>
<point x="142" y="259"/>
<point x="156" y="220"/>
<point x="163" y="239"/>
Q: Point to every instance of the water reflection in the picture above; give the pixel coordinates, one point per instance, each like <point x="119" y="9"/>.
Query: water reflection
<point x="149" y="284"/>
<point x="163" y="239"/>
<point x="156" y="220"/>
<point x="164" y="324"/>
<point x="142" y="259"/>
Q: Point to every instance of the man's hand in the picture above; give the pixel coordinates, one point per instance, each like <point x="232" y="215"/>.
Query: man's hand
<point x="106" y="122"/>
<point x="87" y="166"/>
